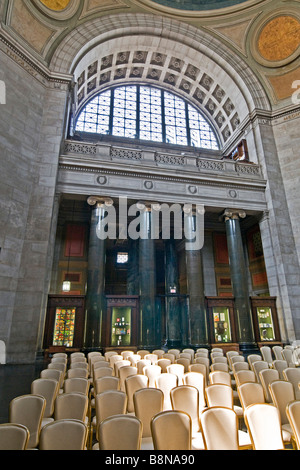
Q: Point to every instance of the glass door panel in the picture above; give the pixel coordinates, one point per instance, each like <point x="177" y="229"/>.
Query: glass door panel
<point x="121" y="326"/>
<point x="64" y="327"/>
<point x="265" y="324"/>
<point x="222" y="330"/>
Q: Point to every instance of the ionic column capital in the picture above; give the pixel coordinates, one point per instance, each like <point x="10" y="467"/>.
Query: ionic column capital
<point x="233" y="214"/>
<point x="100" y="201"/>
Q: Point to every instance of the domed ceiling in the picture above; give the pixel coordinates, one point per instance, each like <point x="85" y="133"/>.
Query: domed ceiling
<point x="198" y="5"/>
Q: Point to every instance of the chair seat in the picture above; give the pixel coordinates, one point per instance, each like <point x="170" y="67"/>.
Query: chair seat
<point x="287" y="432"/>
<point x="147" y="443"/>
<point x="46" y="421"/>
<point x="197" y="441"/>
<point x="239" y="411"/>
<point x="244" y="439"/>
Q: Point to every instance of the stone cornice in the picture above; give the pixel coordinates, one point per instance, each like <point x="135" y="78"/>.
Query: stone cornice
<point x="29" y="63"/>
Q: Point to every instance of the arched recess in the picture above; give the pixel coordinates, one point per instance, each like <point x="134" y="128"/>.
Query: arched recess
<point x="150" y="49"/>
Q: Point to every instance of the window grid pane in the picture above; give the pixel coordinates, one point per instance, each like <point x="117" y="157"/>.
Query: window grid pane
<point x="146" y="113"/>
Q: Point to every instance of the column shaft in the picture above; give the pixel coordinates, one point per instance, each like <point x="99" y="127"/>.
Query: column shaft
<point x="172" y="304"/>
<point x="95" y="298"/>
<point x="239" y="277"/>
<point x="195" y="284"/>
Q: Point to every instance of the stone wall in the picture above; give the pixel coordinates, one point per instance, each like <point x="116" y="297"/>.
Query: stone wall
<point x="30" y="131"/>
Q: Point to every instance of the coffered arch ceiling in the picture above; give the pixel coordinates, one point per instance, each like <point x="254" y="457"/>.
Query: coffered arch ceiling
<point x="222" y="43"/>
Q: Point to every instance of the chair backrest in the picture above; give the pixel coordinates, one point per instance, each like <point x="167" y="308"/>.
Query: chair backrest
<point x="113" y="359"/>
<point x="165" y="382"/>
<point x="250" y="393"/>
<point x="120" y="432"/>
<point x="220" y="377"/>
<point x="282" y="393"/>
<point x="134" y="358"/>
<point x="292" y="374"/>
<point x="65" y="355"/>
<point x="220" y="350"/>
<point x="80" y="373"/>
<point x="120" y="364"/>
<point x="133" y="383"/>
<point x="240" y="366"/>
<point x="214" y="354"/>
<point x="124" y="372"/>
<point x="186" y="398"/>
<point x="71" y="406"/>
<point x="163" y="363"/>
<point x="202" y="350"/>
<point x="186" y="362"/>
<point x="79" y="365"/>
<point x="172" y="430"/>
<point x="280" y="365"/>
<point x="28" y="410"/>
<point x="58" y="366"/>
<point x="147" y="403"/>
<point x="243" y="376"/>
<point x="78" y="359"/>
<point x="109" y="403"/>
<point x="219" y="427"/>
<point x="59" y="360"/>
<point x="141" y="364"/>
<point x="219" y="395"/>
<point x="143" y="352"/>
<point x="47" y="388"/>
<point x="230" y="354"/>
<point x="266" y="353"/>
<point x="258" y="366"/>
<point x="77" y="354"/>
<point x="76" y="385"/>
<point x="277" y="352"/>
<point x="177" y="369"/>
<point x="106" y="383"/>
<point x="196" y="380"/>
<point x="219" y="359"/>
<point x="13" y="436"/>
<point x="53" y="374"/>
<point x="239" y="358"/>
<point x="263" y="423"/>
<point x="186" y="355"/>
<point x="103" y="372"/>
<point x="287" y="355"/>
<point x="200" y="369"/>
<point x="151" y="372"/>
<point x="108" y="355"/>
<point x="267" y="376"/>
<point x="170" y="356"/>
<point x="174" y="351"/>
<point x="219" y="366"/>
<point x="293" y="414"/>
<point x="64" y="434"/>
<point x="151" y="357"/>
<point x="125" y="354"/>
<point x="190" y="351"/>
<point x="253" y="358"/>
<point x="159" y="353"/>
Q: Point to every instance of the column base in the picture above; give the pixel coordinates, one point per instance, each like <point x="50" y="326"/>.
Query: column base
<point x="249" y="348"/>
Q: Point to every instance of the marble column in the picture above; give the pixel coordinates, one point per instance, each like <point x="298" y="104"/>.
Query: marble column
<point x="239" y="278"/>
<point x="95" y="294"/>
<point x="195" y="281"/>
<point x="147" y="280"/>
<point x="172" y="304"/>
<point x="133" y="267"/>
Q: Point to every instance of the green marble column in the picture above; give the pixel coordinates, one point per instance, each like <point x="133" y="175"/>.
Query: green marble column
<point x="95" y="294"/>
<point x="133" y="268"/>
<point x="195" y="281"/>
<point x="239" y="277"/>
<point x="172" y="304"/>
<point x="147" y="282"/>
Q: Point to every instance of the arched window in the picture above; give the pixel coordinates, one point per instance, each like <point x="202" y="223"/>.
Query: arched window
<point x="146" y="113"/>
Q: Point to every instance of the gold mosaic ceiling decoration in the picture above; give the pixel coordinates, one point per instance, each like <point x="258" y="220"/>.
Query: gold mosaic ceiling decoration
<point x="279" y="39"/>
<point x="56" y="5"/>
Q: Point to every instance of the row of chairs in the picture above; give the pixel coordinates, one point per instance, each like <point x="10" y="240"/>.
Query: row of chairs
<point x="185" y="382"/>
